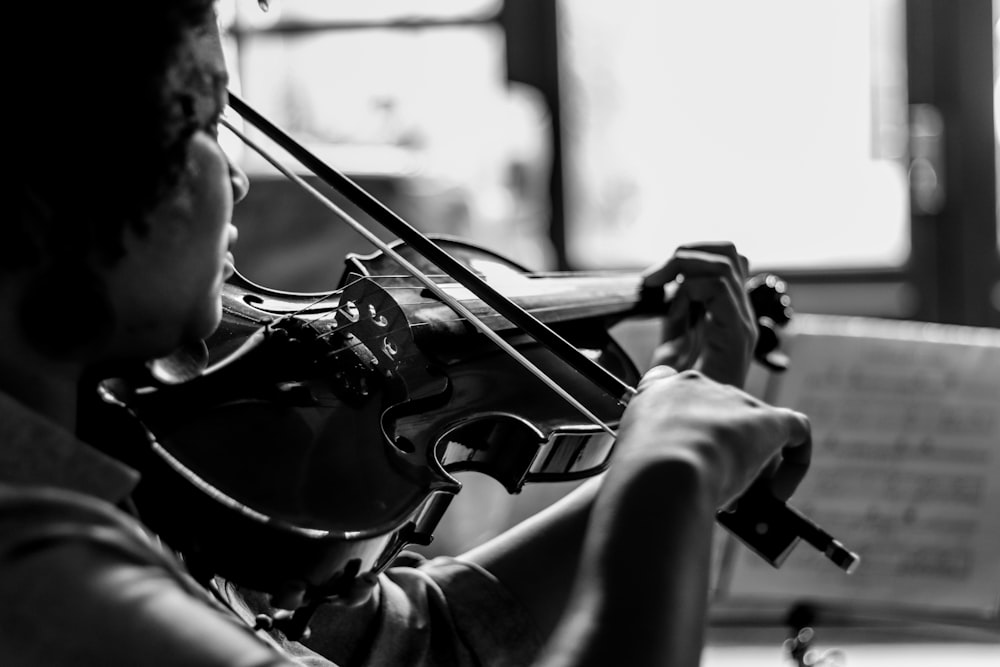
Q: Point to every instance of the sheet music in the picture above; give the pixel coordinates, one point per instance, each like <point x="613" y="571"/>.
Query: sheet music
<point x="906" y="466"/>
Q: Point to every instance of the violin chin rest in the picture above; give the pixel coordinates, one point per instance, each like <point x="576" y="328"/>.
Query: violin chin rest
<point x="183" y="364"/>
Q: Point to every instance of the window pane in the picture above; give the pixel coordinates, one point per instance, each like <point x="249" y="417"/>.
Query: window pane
<point x="392" y="93"/>
<point x="778" y="124"/>
<point x="427" y="115"/>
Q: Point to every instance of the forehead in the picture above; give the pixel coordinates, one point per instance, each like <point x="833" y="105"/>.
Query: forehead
<point x="199" y="72"/>
<point x="206" y="43"/>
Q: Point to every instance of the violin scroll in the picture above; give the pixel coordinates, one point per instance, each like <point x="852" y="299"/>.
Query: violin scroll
<point x="772" y="307"/>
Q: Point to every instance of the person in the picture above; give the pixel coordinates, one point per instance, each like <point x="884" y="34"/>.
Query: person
<point x="115" y="246"/>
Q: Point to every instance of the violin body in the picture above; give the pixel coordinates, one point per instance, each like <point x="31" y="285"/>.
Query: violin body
<point x="323" y="432"/>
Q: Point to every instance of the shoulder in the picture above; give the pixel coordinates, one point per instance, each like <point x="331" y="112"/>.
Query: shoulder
<point x="68" y="533"/>
<point x="34" y="517"/>
<point x="84" y="583"/>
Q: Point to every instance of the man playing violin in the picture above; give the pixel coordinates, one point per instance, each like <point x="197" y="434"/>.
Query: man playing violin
<point x="114" y="252"/>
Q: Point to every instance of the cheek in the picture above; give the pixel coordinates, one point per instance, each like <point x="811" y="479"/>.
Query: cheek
<point x="186" y="254"/>
<point x="208" y="232"/>
<point x="202" y="285"/>
<point x="207" y="322"/>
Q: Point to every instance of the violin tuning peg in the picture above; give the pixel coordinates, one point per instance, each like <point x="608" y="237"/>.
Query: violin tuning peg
<point x="773" y="308"/>
<point x="769" y="298"/>
<point x="767" y="351"/>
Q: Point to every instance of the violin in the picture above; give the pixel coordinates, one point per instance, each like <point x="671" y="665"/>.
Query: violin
<point x="314" y="436"/>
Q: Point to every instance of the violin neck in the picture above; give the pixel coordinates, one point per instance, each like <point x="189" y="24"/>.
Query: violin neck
<point x="565" y="297"/>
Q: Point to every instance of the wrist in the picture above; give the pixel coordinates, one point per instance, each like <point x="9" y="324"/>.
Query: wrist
<point x="677" y="457"/>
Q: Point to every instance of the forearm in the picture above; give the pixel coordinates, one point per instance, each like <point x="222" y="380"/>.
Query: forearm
<point x="624" y="581"/>
<point x="638" y="580"/>
<point x="641" y="592"/>
<point x="537" y="560"/>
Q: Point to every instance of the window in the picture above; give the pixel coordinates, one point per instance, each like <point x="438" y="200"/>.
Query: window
<point x="410" y="100"/>
<point x="832" y="141"/>
<point x="780" y="125"/>
<point x="835" y="142"/>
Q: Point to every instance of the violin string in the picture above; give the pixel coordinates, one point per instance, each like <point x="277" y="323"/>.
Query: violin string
<point x="538" y="310"/>
<point x="337" y="328"/>
<point x="527" y="274"/>
<point x="431" y="285"/>
<point x="320" y="299"/>
<point x="591" y="301"/>
<point x="313" y="304"/>
<point x="348" y="347"/>
<point x="359" y="343"/>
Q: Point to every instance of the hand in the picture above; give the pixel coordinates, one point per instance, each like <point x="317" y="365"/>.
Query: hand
<point x="710" y="325"/>
<point x="730" y="436"/>
<point x="687" y="445"/>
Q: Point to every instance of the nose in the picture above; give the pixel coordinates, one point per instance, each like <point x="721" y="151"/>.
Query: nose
<point x="239" y="181"/>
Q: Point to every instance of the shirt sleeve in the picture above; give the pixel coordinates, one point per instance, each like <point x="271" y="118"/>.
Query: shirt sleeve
<point x="83" y="584"/>
<point x="430" y="613"/>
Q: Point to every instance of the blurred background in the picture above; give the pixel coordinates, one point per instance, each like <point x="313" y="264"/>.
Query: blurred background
<point x="848" y="145"/>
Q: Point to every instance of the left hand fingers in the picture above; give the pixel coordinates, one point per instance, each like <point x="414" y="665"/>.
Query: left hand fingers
<point x="740" y="262"/>
<point x="714" y="280"/>
<point x="726" y="305"/>
<point x="664" y="273"/>
<point x="710" y="324"/>
<point x="719" y="264"/>
<point x="722" y="340"/>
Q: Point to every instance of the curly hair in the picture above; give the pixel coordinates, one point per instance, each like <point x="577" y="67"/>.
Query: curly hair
<point x="98" y="127"/>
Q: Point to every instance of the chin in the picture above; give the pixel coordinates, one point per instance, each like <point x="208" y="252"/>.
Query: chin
<point x="206" y="325"/>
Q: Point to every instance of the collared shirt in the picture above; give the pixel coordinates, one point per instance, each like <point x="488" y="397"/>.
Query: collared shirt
<point x="83" y="583"/>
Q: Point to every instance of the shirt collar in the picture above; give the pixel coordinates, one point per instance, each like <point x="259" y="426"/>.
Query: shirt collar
<point x="35" y="450"/>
